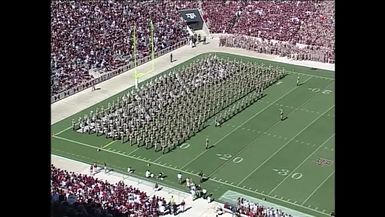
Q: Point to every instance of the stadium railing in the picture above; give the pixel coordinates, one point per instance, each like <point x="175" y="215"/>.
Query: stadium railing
<point x="115" y="72"/>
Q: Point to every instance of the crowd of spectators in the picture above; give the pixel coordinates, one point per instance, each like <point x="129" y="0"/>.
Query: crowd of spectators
<point x="306" y="22"/>
<point x="279" y="20"/>
<point x="76" y="195"/>
<point x="319" y="27"/>
<point x="219" y="15"/>
<point x="251" y="209"/>
<point x="98" y="35"/>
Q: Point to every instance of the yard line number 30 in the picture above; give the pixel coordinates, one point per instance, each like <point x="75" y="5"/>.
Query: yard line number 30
<point x="285" y="172"/>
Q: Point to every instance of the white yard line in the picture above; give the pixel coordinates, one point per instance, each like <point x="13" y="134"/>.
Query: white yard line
<point x="315" y="76"/>
<point x="63" y="130"/>
<point x="159" y="157"/>
<point x="284" y="145"/>
<point x="301" y="163"/>
<point x="133" y="151"/>
<point x="317" y="188"/>
<point x="242" y="124"/>
<point x="109" y="144"/>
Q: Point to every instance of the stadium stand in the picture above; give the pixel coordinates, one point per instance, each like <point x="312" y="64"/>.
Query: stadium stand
<point x="96" y="35"/>
<point x="81" y="195"/>
<point x="90" y="38"/>
<point x="306" y="22"/>
<point x="299" y="30"/>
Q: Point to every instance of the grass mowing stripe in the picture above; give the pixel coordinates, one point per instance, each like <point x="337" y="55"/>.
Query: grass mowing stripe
<point x="241" y="125"/>
<point x="63" y="131"/>
<point x="284" y="145"/>
<point x="192" y="174"/>
<point x="317" y="188"/>
<point x="301" y="164"/>
<point x="266" y="133"/>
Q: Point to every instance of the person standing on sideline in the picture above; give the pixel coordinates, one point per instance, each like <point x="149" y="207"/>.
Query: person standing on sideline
<point x="183" y="204"/>
<point x="298" y="81"/>
<point x="73" y="124"/>
<point x="179" y="178"/>
<point x="170" y="57"/>
<point x="93" y="86"/>
<point x="207" y="143"/>
<point x="201" y="176"/>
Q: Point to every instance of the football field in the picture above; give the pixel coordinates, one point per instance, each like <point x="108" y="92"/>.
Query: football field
<point x="289" y="162"/>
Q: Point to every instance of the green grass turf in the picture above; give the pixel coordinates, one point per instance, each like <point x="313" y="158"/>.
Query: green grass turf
<point x="253" y="153"/>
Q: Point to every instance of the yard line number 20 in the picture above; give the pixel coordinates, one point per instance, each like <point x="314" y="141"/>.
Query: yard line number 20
<point x="316" y="90"/>
<point x="229" y="156"/>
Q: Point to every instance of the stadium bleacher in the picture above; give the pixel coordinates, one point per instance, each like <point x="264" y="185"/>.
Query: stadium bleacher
<point x="82" y="195"/>
<point x="95" y="35"/>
